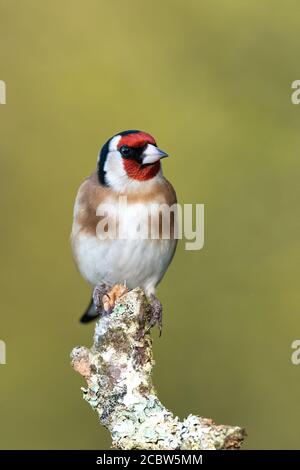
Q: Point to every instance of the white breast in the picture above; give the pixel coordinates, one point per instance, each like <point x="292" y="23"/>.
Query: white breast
<point x="136" y="262"/>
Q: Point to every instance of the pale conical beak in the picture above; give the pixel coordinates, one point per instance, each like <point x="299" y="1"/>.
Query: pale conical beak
<point x="152" y="154"/>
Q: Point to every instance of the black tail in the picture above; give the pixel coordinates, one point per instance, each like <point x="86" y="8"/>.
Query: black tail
<point x="90" y="314"/>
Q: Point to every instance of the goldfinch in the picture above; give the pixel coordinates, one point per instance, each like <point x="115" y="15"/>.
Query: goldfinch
<point x="129" y="166"/>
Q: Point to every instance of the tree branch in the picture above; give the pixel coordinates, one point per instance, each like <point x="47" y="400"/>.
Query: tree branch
<point x="118" y="371"/>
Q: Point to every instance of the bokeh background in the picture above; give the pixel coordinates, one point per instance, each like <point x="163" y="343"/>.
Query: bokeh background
<point x="211" y="80"/>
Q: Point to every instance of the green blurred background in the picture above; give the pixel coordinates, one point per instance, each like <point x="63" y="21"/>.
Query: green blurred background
<point x="211" y="80"/>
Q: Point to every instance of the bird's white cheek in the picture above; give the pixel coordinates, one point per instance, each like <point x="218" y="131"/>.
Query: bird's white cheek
<point x="115" y="173"/>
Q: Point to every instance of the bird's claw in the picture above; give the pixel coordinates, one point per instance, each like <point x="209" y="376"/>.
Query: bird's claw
<point x="155" y="314"/>
<point x="100" y="291"/>
<point x="105" y="297"/>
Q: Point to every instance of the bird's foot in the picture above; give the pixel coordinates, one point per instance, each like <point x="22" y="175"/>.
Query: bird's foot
<point x="106" y="296"/>
<point x="155" y="314"/>
<point x="99" y="292"/>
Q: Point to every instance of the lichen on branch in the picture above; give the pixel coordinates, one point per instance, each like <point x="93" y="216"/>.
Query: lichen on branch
<point x="118" y="371"/>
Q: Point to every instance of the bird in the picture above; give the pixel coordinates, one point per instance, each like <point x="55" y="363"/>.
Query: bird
<point x="128" y="166"/>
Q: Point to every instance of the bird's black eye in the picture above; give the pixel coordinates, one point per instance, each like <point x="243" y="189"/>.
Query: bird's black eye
<point x="126" y="151"/>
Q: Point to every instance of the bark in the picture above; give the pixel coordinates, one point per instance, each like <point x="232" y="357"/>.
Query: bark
<point x="118" y="371"/>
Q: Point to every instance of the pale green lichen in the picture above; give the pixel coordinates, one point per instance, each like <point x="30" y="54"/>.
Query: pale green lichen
<point x="121" y="391"/>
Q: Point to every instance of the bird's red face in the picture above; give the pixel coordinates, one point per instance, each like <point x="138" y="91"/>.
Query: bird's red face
<point x="128" y="159"/>
<point x="136" y="140"/>
<point x="141" y="157"/>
